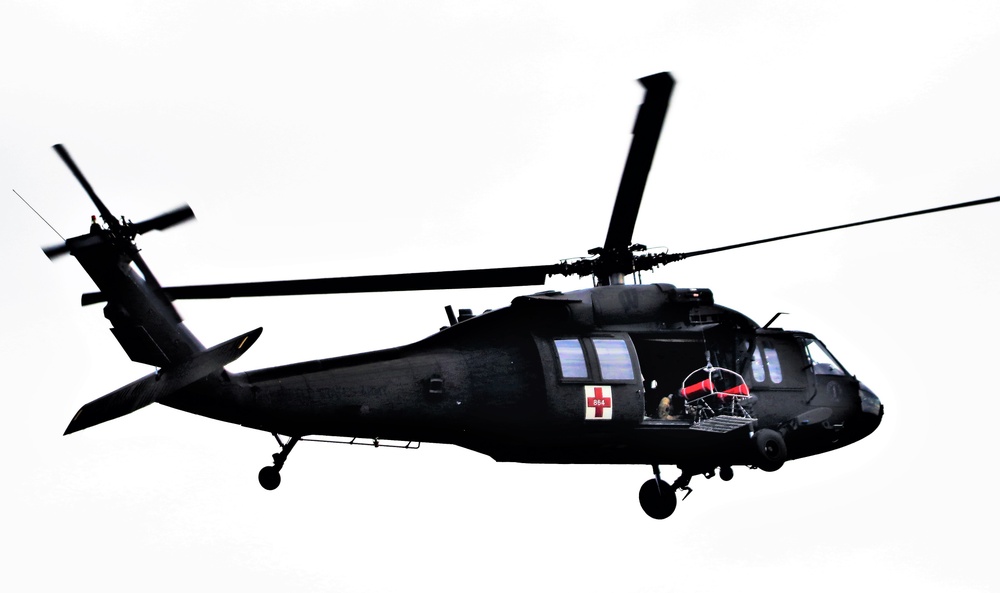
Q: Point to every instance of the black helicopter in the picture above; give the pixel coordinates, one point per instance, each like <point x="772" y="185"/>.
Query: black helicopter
<point x="613" y="374"/>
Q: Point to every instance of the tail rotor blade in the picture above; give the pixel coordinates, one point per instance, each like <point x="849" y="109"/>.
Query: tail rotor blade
<point x="105" y="213"/>
<point x="81" y="242"/>
<point x="164" y="221"/>
<point x="55" y="251"/>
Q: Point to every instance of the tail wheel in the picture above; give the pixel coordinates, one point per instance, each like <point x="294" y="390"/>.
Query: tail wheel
<point x="270" y="476"/>
<point x="771" y="449"/>
<point x="657" y="499"/>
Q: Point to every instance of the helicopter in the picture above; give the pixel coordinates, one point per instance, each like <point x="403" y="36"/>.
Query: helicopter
<point x="614" y="373"/>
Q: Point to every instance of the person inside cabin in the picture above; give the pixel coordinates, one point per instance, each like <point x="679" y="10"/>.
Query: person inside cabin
<point x="663" y="403"/>
<point x="94" y="227"/>
<point x="671" y="407"/>
<point x="663" y="409"/>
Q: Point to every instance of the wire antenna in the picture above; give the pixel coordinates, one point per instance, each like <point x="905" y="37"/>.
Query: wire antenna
<point x="39" y="215"/>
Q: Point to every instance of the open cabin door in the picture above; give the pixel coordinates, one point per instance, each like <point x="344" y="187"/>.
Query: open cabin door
<point x="669" y="357"/>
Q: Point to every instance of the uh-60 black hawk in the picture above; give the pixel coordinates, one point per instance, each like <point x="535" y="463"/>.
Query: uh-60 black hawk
<point x="612" y="374"/>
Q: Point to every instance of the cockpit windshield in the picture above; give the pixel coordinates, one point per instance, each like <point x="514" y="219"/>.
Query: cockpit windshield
<point x="823" y="363"/>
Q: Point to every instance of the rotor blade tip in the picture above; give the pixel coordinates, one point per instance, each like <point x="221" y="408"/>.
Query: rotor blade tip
<point x="55" y="251"/>
<point x="658" y="79"/>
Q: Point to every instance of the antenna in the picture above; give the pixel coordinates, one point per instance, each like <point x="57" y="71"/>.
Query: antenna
<point x="773" y="319"/>
<point x="39" y="215"/>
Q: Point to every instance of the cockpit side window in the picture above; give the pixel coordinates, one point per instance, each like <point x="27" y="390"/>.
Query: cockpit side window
<point x="823" y="363"/>
<point x="614" y="359"/>
<point x="572" y="363"/>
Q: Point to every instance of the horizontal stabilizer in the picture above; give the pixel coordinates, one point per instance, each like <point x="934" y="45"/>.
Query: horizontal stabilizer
<point x="147" y="390"/>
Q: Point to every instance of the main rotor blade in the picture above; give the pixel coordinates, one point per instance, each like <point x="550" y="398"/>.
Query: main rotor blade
<point x="106" y="215"/>
<point x="680" y="256"/>
<point x="483" y="278"/>
<point x="164" y="221"/>
<point x="645" y="136"/>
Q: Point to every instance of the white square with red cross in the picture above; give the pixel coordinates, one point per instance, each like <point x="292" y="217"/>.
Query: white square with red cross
<point x="597" y="399"/>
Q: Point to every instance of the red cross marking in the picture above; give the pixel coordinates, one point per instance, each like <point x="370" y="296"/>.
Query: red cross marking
<point x="598" y="402"/>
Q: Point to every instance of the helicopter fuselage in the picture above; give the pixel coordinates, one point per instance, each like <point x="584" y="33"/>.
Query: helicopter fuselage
<point x="563" y="378"/>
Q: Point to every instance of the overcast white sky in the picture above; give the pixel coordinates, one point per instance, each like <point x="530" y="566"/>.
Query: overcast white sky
<point x="341" y="138"/>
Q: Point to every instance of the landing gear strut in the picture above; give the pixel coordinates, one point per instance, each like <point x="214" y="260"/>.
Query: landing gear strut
<point x="659" y="499"/>
<point x="270" y="476"/>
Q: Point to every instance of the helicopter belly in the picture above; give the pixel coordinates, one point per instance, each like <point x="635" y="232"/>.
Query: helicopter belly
<point x="667" y="442"/>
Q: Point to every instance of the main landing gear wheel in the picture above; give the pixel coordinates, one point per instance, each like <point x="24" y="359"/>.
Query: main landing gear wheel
<point x="270" y="476"/>
<point x="657" y="498"/>
<point x="726" y="473"/>
<point x="771" y="449"/>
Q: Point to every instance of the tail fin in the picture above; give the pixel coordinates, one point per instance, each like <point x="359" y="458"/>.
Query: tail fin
<point x="147" y="390"/>
<point x="143" y="319"/>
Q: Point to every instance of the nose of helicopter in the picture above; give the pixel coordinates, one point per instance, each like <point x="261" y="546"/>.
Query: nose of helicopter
<point x="871" y="411"/>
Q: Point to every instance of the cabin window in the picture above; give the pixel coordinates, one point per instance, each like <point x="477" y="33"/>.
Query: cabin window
<point x="758" y="366"/>
<point x="823" y="363"/>
<point x="773" y="364"/>
<point x="571" y="360"/>
<point x="614" y="359"/>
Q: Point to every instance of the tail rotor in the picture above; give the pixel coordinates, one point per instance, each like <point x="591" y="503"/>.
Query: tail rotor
<point x="119" y="233"/>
